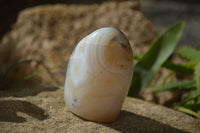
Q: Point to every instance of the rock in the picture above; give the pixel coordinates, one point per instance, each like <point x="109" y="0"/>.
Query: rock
<point x="46" y="36"/>
<point x="46" y="112"/>
<point x="12" y="8"/>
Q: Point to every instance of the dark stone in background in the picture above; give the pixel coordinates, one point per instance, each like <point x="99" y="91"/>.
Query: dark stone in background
<point x="163" y="13"/>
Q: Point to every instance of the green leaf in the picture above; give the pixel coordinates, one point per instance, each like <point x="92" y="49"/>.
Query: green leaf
<point x="5" y="82"/>
<point x="4" y="74"/>
<point x="36" y="73"/>
<point x="147" y="67"/>
<point x="190" y="64"/>
<point x="178" y="68"/>
<point x="188" y="111"/>
<point x="170" y="74"/>
<point x="197" y="75"/>
<point x="192" y="95"/>
<point x="189" y="53"/>
<point x="178" y="85"/>
<point x="194" y="106"/>
<point x="196" y="93"/>
<point x="172" y="66"/>
<point x="137" y="57"/>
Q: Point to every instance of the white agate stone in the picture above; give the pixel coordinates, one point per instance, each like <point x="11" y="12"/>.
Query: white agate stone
<point x="99" y="75"/>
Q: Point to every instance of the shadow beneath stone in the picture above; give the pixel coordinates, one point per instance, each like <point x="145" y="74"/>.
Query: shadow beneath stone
<point x="10" y="108"/>
<point x="128" y="122"/>
<point x="24" y="92"/>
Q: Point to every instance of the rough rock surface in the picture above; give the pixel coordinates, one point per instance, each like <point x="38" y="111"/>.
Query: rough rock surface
<point x="44" y="110"/>
<point x="49" y="33"/>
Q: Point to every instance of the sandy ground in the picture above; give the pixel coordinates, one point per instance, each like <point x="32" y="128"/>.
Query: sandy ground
<point x="44" y="110"/>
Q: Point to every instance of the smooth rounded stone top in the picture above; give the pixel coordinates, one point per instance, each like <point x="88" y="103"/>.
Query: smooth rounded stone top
<point x="49" y="33"/>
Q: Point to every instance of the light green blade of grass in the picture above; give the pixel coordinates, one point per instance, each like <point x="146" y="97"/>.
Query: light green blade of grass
<point x="34" y="74"/>
<point x="19" y="62"/>
<point x="193" y="106"/>
<point x="147" y="67"/>
<point x="197" y="75"/>
<point x="39" y="72"/>
<point x="190" y="64"/>
<point x="178" y="85"/>
<point x="4" y="74"/>
<point x="189" y="53"/>
<point x="188" y="111"/>
<point x="192" y="95"/>
<point x="178" y="68"/>
<point x="173" y="67"/>
<point x="196" y="93"/>
<point x="168" y="76"/>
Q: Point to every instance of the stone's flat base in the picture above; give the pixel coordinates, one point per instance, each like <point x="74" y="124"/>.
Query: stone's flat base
<point x="46" y="112"/>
